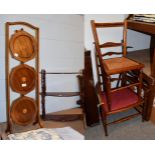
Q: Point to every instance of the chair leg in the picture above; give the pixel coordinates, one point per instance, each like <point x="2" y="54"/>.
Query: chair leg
<point x="140" y="92"/>
<point x="119" y="80"/>
<point x="143" y="113"/>
<point x="105" y="127"/>
<point x="144" y="109"/>
<point x="123" y="82"/>
<point x="104" y="122"/>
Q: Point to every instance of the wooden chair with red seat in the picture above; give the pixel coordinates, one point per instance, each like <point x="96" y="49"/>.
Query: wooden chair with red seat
<point x="127" y="93"/>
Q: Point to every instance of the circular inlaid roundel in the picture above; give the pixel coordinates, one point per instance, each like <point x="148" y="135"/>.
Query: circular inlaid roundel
<point x="23" y="111"/>
<point x="22" y="79"/>
<point x="22" y="46"/>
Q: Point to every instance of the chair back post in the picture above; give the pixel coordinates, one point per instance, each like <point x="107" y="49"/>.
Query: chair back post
<point x="101" y="65"/>
<point x="97" y="67"/>
<point x="125" y="38"/>
<point x="96" y="39"/>
<point x="97" y="52"/>
<point x="107" y="91"/>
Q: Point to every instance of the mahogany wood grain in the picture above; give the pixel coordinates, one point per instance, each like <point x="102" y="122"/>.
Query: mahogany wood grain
<point x="110" y="44"/>
<point x="104" y="25"/>
<point x="63" y="73"/>
<point x="62" y="94"/>
<point x="112" y="53"/>
<point x="147" y="28"/>
<point x="23" y="111"/>
<point x="63" y="117"/>
<point x="44" y="93"/>
<point x="152" y="55"/>
<point x="22" y="46"/>
<point x="23" y="79"/>
<point x="90" y="97"/>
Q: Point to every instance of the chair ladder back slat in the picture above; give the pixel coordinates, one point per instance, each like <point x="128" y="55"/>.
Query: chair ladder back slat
<point x="104" y="25"/>
<point x="111" y="53"/>
<point x="110" y="44"/>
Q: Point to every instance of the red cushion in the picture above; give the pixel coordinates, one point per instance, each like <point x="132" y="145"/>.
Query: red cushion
<point x="121" y="99"/>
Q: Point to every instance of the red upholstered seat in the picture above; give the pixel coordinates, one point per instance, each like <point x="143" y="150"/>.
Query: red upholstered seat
<point x="121" y="99"/>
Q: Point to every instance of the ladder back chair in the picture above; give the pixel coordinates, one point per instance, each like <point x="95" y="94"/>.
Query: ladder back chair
<point x="127" y="93"/>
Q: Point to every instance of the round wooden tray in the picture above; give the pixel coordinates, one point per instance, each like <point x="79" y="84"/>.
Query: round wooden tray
<point x="22" y="79"/>
<point x="23" y="46"/>
<point x="23" y="111"/>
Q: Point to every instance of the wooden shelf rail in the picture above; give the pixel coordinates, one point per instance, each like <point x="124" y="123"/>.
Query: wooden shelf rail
<point x="66" y="117"/>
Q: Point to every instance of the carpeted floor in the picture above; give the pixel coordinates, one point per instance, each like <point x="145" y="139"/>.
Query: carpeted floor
<point x="133" y="129"/>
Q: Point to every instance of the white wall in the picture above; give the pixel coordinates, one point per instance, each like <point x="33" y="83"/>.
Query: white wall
<point x="61" y="49"/>
<point x="135" y="39"/>
<point x="88" y="38"/>
<point x="138" y="40"/>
